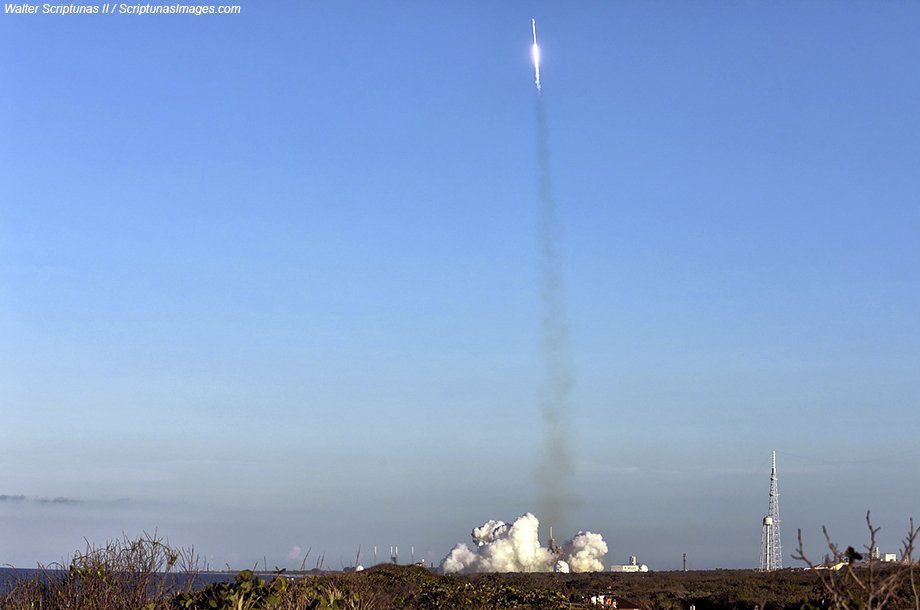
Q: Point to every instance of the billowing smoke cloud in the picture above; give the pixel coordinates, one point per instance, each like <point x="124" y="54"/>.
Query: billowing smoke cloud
<point x="585" y="552"/>
<point x="556" y="468"/>
<point x="515" y="547"/>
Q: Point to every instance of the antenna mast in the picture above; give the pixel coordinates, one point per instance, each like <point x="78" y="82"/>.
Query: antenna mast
<point x="771" y="550"/>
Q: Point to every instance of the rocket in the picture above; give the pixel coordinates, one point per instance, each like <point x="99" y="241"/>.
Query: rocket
<point x="535" y="52"/>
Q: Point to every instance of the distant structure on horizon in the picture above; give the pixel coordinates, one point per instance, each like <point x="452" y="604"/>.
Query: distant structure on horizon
<point x="771" y="549"/>
<point x="632" y="566"/>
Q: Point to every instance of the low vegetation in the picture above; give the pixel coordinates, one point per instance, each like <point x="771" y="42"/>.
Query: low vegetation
<point x="148" y="574"/>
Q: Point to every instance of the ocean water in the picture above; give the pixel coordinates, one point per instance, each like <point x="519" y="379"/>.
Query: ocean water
<point x="9" y="577"/>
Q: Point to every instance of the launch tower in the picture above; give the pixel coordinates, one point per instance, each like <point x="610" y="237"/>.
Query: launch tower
<point x="551" y="544"/>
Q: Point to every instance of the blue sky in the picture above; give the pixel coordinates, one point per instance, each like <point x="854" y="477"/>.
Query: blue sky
<point x="271" y="279"/>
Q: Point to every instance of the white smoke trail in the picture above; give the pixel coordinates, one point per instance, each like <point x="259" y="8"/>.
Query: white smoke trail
<point x="515" y="547"/>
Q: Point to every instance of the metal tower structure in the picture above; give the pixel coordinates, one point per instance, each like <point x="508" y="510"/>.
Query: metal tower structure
<point x="551" y="544"/>
<point x="771" y="549"/>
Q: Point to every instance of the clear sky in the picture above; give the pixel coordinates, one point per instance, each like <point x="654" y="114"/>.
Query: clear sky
<point x="271" y="280"/>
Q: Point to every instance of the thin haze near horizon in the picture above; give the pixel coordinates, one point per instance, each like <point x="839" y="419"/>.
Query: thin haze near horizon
<point x="271" y="281"/>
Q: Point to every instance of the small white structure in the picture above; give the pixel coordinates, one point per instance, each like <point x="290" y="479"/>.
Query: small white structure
<point x="890" y="557"/>
<point x="632" y="566"/>
<point x="612" y="601"/>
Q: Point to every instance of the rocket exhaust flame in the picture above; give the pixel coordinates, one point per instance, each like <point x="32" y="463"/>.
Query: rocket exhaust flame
<point x="535" y="53"/>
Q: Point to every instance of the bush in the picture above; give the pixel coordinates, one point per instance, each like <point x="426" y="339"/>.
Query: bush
<point x="139" y="574"/>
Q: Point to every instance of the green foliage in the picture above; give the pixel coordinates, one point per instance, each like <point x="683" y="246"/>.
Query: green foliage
<point x="246" y="592"/>
<point x="249" y="592"/>
<point x="448" y="593"/>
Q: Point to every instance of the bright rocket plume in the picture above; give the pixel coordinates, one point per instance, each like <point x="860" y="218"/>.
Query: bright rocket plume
<point x="515" y="547"/>
<point x="535" y="53"/>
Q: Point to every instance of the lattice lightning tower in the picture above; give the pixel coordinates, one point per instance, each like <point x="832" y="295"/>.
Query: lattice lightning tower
<point x="771" y="550"/>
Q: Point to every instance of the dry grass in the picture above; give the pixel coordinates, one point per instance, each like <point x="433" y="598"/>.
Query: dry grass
<point x="867" y="584"/>
<point x="144" y="573"/>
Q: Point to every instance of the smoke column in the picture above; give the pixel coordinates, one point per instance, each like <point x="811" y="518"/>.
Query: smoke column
<point x="556" y="387"/>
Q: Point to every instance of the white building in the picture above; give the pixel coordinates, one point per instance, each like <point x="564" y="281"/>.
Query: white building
<point x="632" y="566"/>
